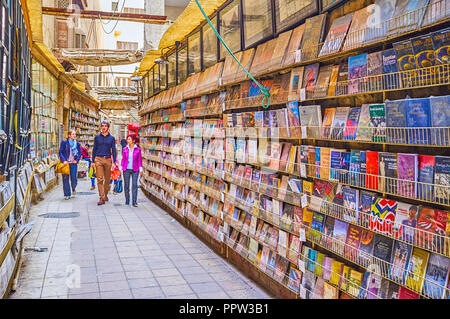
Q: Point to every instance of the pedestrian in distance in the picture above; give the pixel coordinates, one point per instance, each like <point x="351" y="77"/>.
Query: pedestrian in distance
<point x="131" y="168"/>
<point x="85" y="155"/>
<point x="123" y="142"/>
<point x="104" y="158"/>
<point x="70" y="153"/>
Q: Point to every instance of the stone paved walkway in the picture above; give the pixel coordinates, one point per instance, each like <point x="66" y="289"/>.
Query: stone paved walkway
<point x="121" y="252"/>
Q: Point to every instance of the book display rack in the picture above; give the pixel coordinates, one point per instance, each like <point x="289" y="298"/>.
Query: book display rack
<point x="85" y="121"/>
<point x="341" y="188"/>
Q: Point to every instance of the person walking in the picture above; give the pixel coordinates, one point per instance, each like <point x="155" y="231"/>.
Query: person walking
<point x="123" y="142"/>
<point x="70" y="153"/>
<point x="131" y="167"/>
<point x="104" y="158"/>
<point x="85" y="155"/>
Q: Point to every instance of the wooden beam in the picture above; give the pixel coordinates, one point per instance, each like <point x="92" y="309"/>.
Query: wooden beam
<point x="94" y="14"/>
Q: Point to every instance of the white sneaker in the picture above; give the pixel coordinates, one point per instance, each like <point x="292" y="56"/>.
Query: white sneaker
<point x="66" y="197"/>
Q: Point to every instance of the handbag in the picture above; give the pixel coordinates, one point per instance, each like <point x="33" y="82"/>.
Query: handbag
<point x="92" y="173"/>
<point x="62" y="169"/>
<point x="119" y="186"/>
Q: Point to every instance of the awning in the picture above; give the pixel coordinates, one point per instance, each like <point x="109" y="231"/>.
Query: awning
<point x="101" y="57"/>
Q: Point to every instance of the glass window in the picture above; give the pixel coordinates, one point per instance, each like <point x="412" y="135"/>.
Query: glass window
<point x="194" y="53"/>
<point x="230" y="29"/>
<point x="163" y="76"/>
<point x="150" y="82"/>
<point x="156" y="78"/>
<point x="289" y="12"/>
<point x="182" y="65"/>
<point x="209" y="44"/>
<point x="172" y="69"/>
<point x="257" y="20"/>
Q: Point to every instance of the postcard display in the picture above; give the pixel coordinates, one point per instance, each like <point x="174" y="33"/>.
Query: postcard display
<point x="15" y="167"/>
<point x="341" y="188"/>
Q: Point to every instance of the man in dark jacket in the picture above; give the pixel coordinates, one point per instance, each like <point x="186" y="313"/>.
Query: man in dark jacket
<point x="104" y="150"/>
<point x="70" y="153"/>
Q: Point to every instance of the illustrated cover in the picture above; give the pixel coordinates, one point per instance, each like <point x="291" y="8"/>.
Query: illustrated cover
<point x="282" y="243"/>
<point x="309" y="77"/>
<point x="317" y="226"/>
<point x="365" y="247"/>
<point x="311" y="118"/>
<point x="327" y="266"/>
<point x="382" y="216"/>
<point x="354" y="282"/>
<point x="431" y="224"/>
<point x="352" y="242"/>
<point x="334" y="163"/>
<point x="333" y="80"/>
<point x="425" y="189"/>
<point x="405" y="222"/>
<point x="325" y="160"/>
<point x="295" y="277"/>
<point x="319" y="289"/>
<point x="390" y="67"/>
<point x="295" y="84"/>
<point x="407" y="174"/>
<point x="406" y="62"/>
<point x="418" y="115"/>
<point x="382" y="249"/>
<point x="376" y="25"/>
<point x="355" y="35"/>
<point x="293" y="46"/>
<point x="351" y="126"/>
<point x="295" y="246"/>
<point x="416" y="269"/>
<point x="311" y="260"/>
<point x="372" y="170"/>
<point x="441" y="42"/>
<point x="336" y="269"/>
<point x="323" y="79"/>
<point x="319" y="263"/>
<point x="342" y="78"/>
<point x="336" y="35"/>
<point x="400" y="259"/>
<point x="388" y="172"/>
<point x="436" y="276"/>
<point x="351" y="204"/>
<point x="281" y="269"/>
<point x="405" y="293"/>
<point x="330" y="292"/>
<point x="440" y="117"/>
<point x="283" y="128"/>
<point x="343" y="282"/>
<point x="396" y="122"/>
<point x="364" y="132"/>
<point x="442" y="179"/>
<point x="327" y="122"/>
<point x="354" y="168"/>
<point x="424" y="56"/>
<point x="339" y="121"/>
<point x="339" y="236"/>
<point x="378" y="122"/>
<point x="357" y="69"/>
<point x="314" y="29"/>
<point x="273" y="123"/>
<point x="280" y="50"/>
<point x="308" y="283"/>
<point x="374" y="71"/>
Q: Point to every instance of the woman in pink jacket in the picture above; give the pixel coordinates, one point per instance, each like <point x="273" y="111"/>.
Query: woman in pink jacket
<point x="131" y="167"/>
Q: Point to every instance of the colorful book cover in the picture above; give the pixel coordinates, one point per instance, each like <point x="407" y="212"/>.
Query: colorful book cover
<point x="388" y="172"/>
<point x="330" y="292"/>
<point x="352" y="242"/>
<point x="357" y="69"/>
<point x="295" y="246"/>
<point x="309" y="77"/>
<point x="339" y="236"/>
<point x="311" y="118"/>
<point x="314" y="32"/>
<point x="416" y="269"/>
<point x="335" y="165"/>
<point x="327" y="267"/>
<point x="364" y="132"/>
<point x="418" y="119"/>
<point x="333" y="80"/>
<point x="407" y="174"/>
<point x="390" y="67"/>
<point x="293" y="46"/>
<point x="405" y="22"/>
<point x="356" y="33"/>
<point x="317" y="227"/>
<point x="324" y="162"/>
<point x="351" y="204"/>
<point x="378" y="122"/>
<point x="405" y="293"/>
<point x="311" y="260"/>
<point x="374" y="71"/>
<point x="336" y="35"/>
<point x="354" y="168"/>
<point x="327" y="122"/>
<point x="318" y="292"/>
<point x="293" y="116"/>
<point x="425" y="58"/>
<point x="336" y="269"/>
<point x="442" y="179"/>
<point x="431" y="226"/>
<point x="372" y="170"/>
<point x="382" y="216"/>
<point x="319" y="263"/>
<point x="365" y="247"/>
<point x="425" y="189"/>
<point x="295" y="84"/>
<point x="295" y="277"/>
<point x="343" y="282"/>
<point x="405" y="222"/>
<point x="382" y="250"/>
<point x="406" y="62"/>
<point x="308" y="283"/>
<point x="338" y="123"/>
<point x="376" y="23"/>
<point x="328" y="229"/>
<point x="440" y="118"/>
<point x="281" y="269"/>
<point x="396" y="122"/>
<point x="354" y="282"/>
<point x="400" y="259"/>
<point x="351" y="126"/>
<point x="283" y="128"/>
<point x="441" y="43"/>
<point x="436" y="276"/>
<point x="342" y="78"/>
